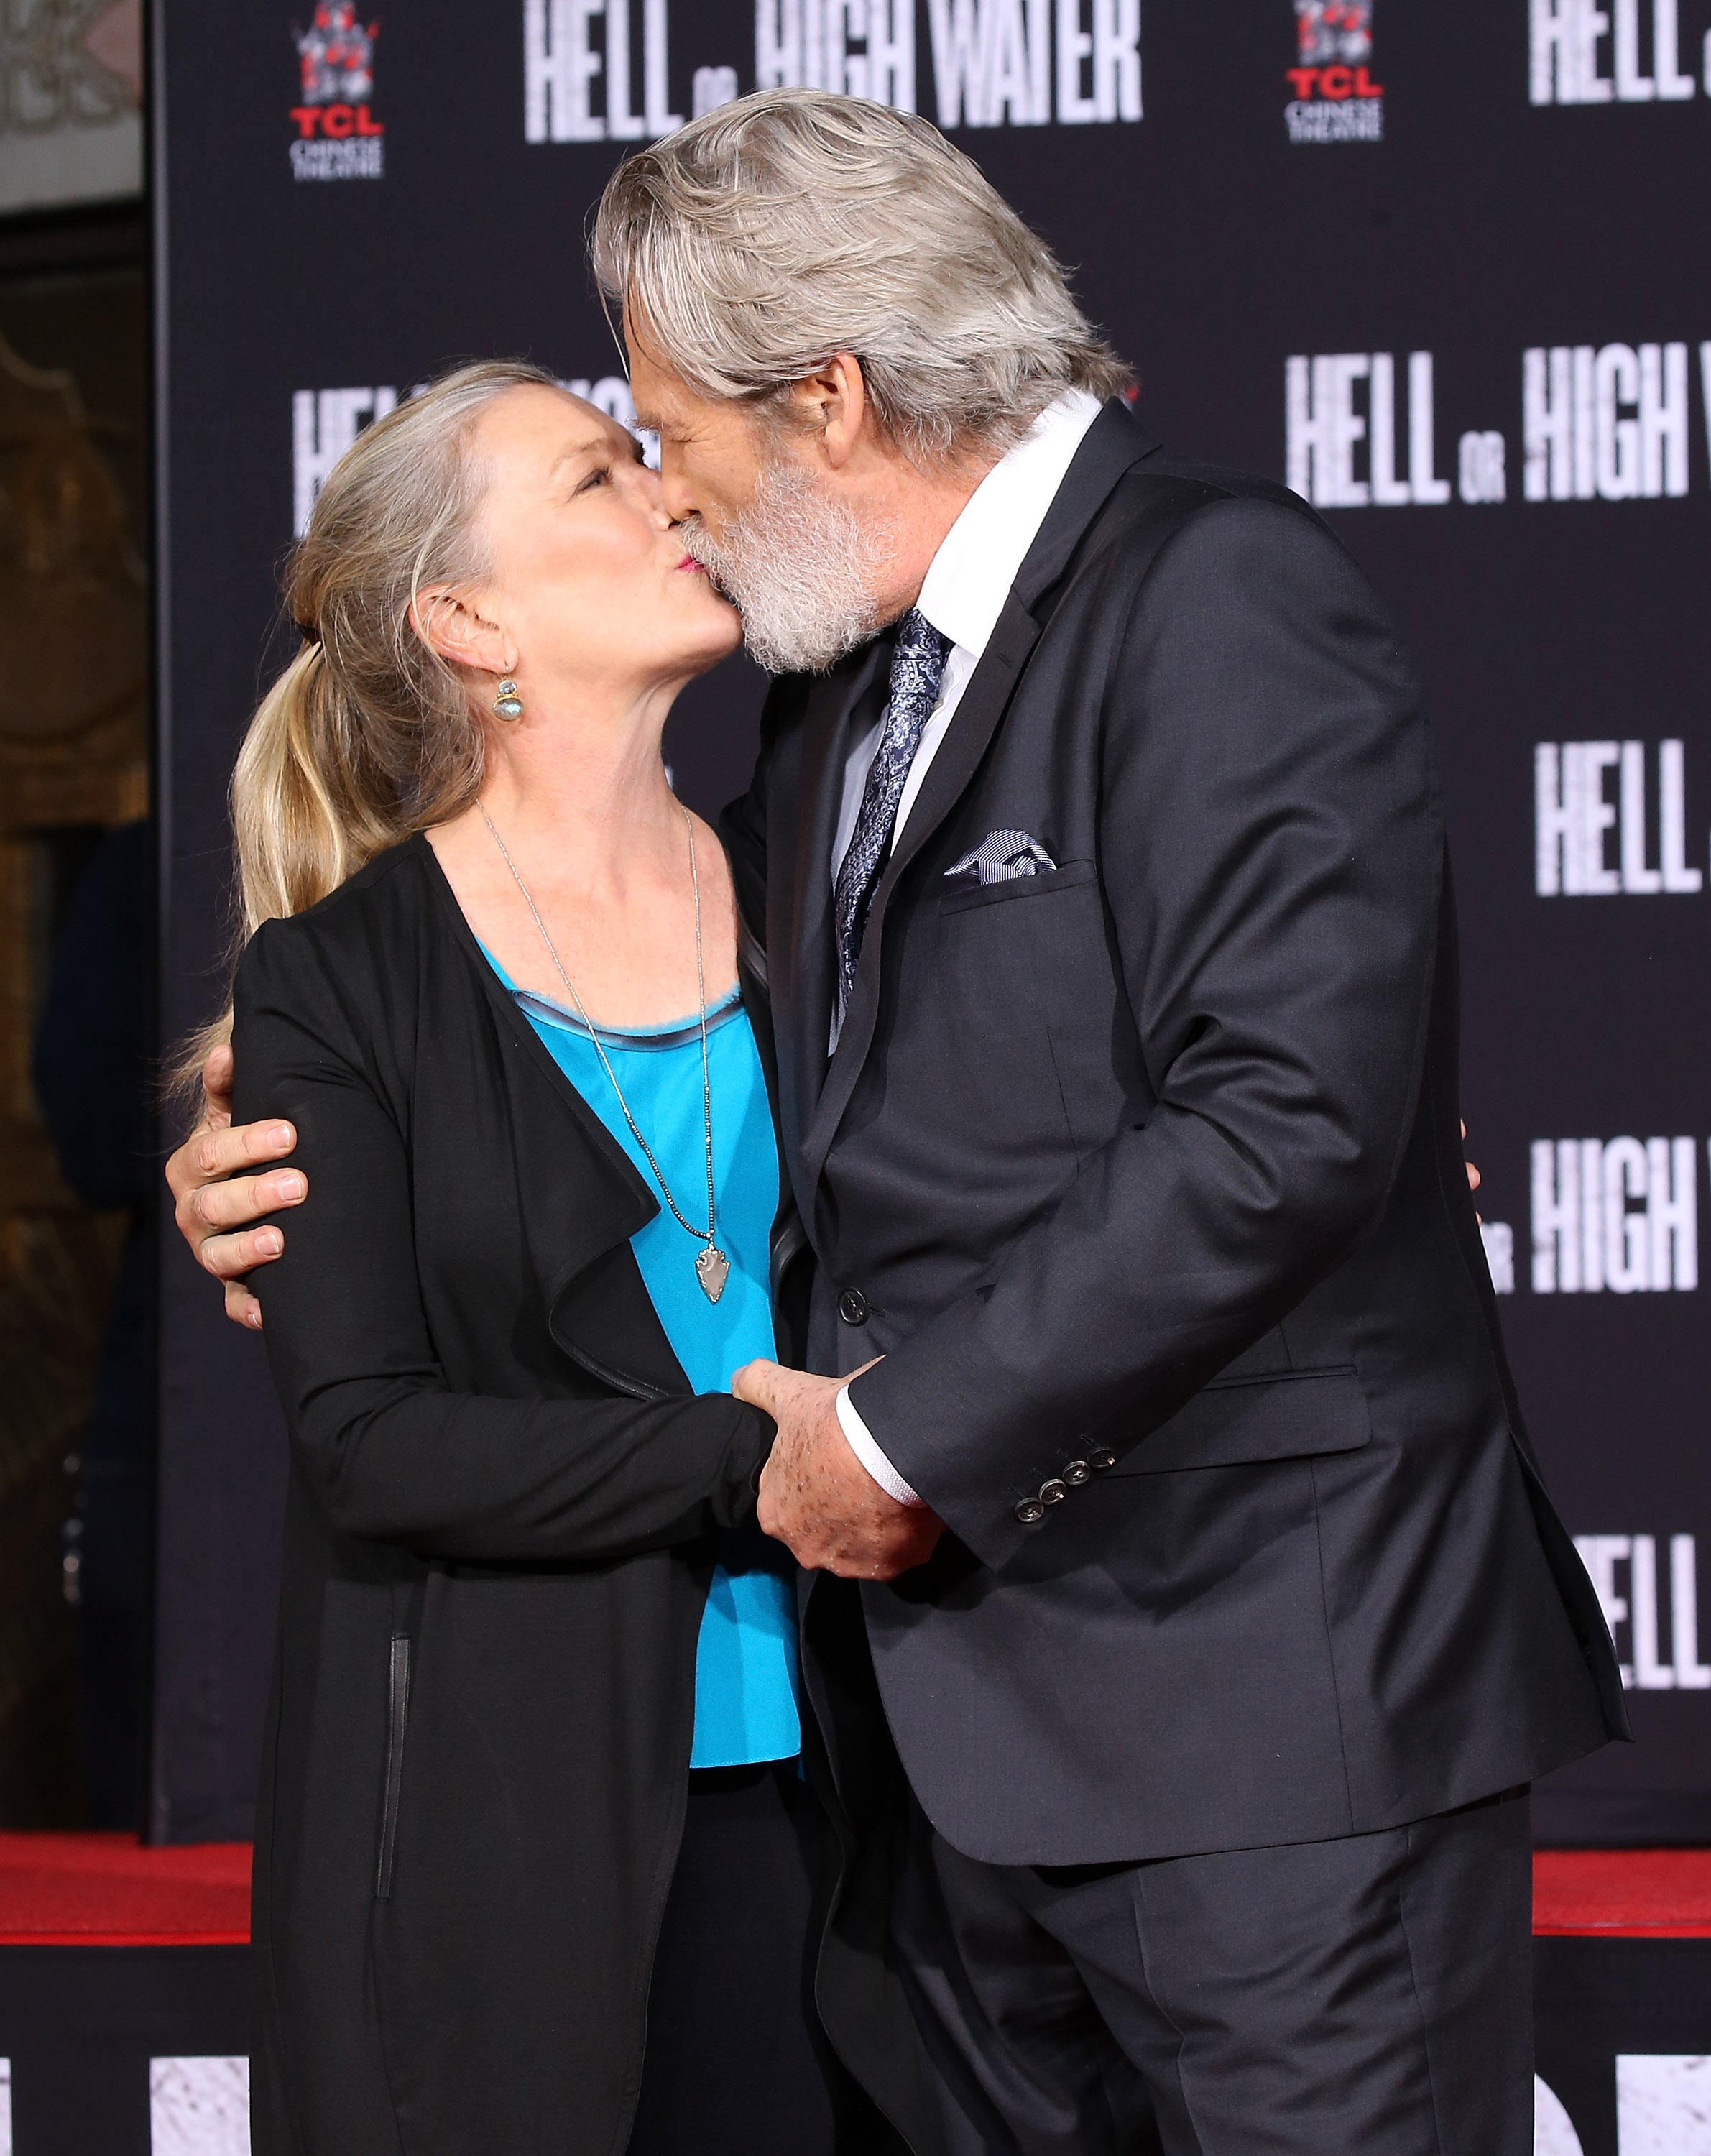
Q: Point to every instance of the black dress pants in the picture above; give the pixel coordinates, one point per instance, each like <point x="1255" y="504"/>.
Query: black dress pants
<point x="1369" y="1994"/>
<point x="736" y="2062"/>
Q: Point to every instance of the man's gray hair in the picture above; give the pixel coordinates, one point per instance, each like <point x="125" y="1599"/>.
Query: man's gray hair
<point x="753" y="244"/>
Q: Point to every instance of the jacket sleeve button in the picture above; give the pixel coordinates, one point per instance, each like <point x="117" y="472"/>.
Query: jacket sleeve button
<point x="1029" y="1511"/>
<point x="853" y="1307"/>
<point x="1052" y="1492"/>
<point x="1076" y="1473"/>
<point x="1101" y="1460"/>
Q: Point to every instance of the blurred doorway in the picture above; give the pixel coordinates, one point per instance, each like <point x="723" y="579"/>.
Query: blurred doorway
<point x="76" y="1171"/>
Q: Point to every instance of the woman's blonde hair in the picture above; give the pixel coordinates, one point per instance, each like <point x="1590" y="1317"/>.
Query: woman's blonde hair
<point x="368" y="736"/>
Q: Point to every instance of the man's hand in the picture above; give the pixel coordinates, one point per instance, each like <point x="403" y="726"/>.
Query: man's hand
<point x="212" y="1197"/>
<point x="1473" y="1177"/>
<point x="814" y="1493"/>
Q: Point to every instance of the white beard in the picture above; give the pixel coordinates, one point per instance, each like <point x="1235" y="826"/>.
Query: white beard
<point x="800" y="568"/>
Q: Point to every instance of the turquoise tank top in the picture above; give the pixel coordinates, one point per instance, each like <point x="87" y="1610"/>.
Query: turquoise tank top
<point x="746" y="1674"/>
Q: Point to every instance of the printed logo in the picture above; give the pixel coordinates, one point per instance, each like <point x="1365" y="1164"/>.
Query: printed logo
<point x="1633" y="1607"/>
<point x="600" y="71"/>
<point x="997" y="64"/>
<point x="1586" y="845"/>
<point x="1573" y="41"/>
<point x="1336" y="100"/>
<point x="1325" y="427"/>
<point x="1605" y="422"/>
<point x="1617" y="1216"/>
<point x="338" y="137"/>
<point x="1610" y="423"/>
<point x="1620" y="1215"/>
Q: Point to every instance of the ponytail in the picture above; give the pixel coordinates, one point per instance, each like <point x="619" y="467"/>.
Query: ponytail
<point x="309" y="807"/>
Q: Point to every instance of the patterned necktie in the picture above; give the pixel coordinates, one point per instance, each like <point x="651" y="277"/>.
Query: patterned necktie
<point x="917" y="667"/>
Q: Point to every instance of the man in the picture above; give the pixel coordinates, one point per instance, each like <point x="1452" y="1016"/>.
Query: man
<point x="1208" y="1587"/>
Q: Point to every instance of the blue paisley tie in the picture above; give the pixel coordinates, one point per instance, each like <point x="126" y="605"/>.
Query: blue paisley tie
<point x="917" y="668"/>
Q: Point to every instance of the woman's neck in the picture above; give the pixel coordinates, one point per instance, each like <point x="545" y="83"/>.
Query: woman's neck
<point x="592" y="847"/>
<point x="593" y="794"/>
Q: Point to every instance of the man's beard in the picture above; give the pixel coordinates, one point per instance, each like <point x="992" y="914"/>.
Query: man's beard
<point x="800" y="568"/>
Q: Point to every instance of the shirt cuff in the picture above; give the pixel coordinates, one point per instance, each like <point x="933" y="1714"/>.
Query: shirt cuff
<point x="868" y="1453"/>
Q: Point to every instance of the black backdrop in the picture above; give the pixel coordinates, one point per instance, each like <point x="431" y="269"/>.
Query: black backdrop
<point x="1446" y="268"/>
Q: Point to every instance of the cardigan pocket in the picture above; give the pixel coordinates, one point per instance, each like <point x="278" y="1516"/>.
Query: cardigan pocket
<point x="397" y="1713"/>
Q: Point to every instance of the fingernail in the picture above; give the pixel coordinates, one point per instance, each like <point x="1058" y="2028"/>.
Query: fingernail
<point x="293" y="1189"/>
<point x="254" y="1321"/>
<point x="282" y="1138"/>
<point x="269" y="1243"/>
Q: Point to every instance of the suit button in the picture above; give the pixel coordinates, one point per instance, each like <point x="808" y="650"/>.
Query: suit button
<point x="1029" y="1511"/>
<point x="852" y="1306"/>
<point x="1076" y="1473"/>
<point x="1052" y="1492"/>
<point x="1101" y="1460"/>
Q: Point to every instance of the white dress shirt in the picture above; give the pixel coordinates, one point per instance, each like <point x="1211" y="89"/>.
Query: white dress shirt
<point x="963" y="596"/>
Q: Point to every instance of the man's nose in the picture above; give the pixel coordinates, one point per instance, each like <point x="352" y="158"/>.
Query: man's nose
<point x="675" y="488"/>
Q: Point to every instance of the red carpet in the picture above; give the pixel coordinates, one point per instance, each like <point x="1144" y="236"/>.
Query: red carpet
<point x="1623" y="1893"/>
<point x="102" y="1890"/>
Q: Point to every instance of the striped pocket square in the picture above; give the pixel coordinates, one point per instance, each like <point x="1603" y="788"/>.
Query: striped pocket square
<point x="1000" y="856"/>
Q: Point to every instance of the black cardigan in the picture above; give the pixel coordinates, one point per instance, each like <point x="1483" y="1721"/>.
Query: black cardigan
<point x="503" y="1514"/>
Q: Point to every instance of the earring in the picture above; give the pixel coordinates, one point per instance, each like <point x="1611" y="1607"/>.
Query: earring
<point x="507" y="703"/>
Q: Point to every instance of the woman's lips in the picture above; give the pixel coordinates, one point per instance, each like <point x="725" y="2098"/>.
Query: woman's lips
<point x="689" y="562"/>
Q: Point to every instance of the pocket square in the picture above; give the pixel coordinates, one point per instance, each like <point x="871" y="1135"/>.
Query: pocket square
<point x="1000" y="856"/>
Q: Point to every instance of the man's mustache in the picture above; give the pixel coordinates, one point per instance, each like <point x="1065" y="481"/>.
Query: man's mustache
<point x="700" y="546"/>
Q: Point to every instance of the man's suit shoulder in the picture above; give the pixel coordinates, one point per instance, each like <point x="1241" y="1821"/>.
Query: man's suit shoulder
<point x="1182" y="492"/>
<point x="1176" y="510"/>
<point x="1222" y="482"/>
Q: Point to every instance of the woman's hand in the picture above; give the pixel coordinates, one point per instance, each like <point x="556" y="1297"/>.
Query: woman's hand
<point x="214" y="1200"/>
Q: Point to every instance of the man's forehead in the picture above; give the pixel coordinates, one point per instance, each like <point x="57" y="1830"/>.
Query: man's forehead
<point x="659" y="395"/>
<point x="665" y="403"/>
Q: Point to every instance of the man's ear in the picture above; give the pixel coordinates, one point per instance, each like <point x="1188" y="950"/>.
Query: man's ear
<point x="450" y="624"/>
<point x="832" y="407"/>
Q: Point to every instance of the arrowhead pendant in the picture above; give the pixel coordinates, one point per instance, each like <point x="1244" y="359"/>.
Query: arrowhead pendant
<point x="712" y="1268"/>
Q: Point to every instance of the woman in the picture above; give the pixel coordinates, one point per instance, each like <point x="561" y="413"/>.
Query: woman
<point x="528" y="1627"/>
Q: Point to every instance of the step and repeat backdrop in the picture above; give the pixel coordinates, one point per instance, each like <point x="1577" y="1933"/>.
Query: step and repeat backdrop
<point x="1447" y="271"/>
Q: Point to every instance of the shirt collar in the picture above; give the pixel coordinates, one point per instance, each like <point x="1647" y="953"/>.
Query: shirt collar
<point x="978" y="558"/>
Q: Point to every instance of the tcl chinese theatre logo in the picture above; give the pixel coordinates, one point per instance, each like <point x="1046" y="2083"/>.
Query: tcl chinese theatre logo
<point x="1336" y="99"/>
<point x="338" y="137"/>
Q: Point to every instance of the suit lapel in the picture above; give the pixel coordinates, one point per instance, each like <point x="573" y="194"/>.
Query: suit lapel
<point x="1113" y="445"/>
<point x="802" y="824"/>
<point x="983" y="702"/>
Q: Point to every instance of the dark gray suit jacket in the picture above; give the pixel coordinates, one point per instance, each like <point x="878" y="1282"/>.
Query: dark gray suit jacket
<point x="1153" y="1158"/>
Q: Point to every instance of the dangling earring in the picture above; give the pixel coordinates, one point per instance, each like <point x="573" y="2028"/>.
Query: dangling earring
<point x="507" y="703"/>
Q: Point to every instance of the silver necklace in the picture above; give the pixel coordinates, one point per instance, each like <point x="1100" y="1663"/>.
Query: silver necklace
<point x="712" y="1266"/>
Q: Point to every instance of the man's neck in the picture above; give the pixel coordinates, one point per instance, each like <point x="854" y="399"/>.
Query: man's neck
<point x="920" y="506"/>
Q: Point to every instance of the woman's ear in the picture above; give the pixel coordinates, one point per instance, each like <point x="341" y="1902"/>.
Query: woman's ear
<point x="450" y="625"/>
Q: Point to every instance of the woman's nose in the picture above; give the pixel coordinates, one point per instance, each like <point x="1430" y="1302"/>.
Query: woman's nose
<point x="645" y="483"/>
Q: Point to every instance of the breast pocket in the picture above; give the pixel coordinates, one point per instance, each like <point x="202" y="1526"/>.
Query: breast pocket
<point x="966" y="898"/>
<point x="1023" y="970"/>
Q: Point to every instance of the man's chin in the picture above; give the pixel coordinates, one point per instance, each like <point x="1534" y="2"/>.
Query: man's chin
<point x="776" y="657"/>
